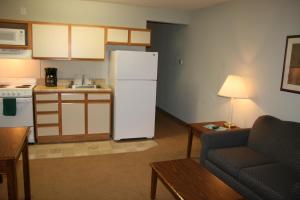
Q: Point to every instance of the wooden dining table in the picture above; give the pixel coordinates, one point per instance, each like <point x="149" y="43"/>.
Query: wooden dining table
<point x="13" y="143"/>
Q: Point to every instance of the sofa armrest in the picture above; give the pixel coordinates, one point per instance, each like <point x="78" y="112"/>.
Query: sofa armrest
<point x="295" y="191"/>
<point x="215" y="140"/>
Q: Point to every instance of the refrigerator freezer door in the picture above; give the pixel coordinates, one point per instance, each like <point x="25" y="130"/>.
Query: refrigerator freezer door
<point x="136" y="65"/>
<point x="134" y="109"/>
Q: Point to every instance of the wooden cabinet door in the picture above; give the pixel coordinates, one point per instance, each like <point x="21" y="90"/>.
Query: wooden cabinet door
<point x="117" y="36"/>
<point x="87" y="42"/>
<point x="140" y="37"/>
<point x="50" y="41"/>
<point x="73" y="118"/>
<point x="98" y="118"/>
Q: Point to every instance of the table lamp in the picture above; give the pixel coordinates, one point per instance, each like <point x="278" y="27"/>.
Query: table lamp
<point x="234" y="87"/>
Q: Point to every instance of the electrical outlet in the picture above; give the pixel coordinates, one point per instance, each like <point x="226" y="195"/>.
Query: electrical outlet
<point x="23" y="11"/>
<point x="180" y="61"/>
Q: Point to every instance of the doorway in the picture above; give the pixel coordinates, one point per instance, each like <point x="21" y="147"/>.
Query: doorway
<point x="169" y="41"/>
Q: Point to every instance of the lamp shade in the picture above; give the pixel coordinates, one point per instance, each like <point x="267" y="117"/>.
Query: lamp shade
<point x="234" y="87"/>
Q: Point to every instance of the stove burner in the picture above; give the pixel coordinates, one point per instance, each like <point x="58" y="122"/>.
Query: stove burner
<point x="3" y="85"/>
<point x="23" y="86"/>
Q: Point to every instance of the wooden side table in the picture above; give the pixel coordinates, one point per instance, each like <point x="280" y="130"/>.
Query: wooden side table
<point x="198" y="128"/>
<point x="13" y="142"/>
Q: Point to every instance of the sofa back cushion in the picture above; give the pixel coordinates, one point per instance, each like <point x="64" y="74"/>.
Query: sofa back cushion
<point x="277" y="139"/>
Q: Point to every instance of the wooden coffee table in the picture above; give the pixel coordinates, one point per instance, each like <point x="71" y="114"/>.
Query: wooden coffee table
<point x="188" y="180"/>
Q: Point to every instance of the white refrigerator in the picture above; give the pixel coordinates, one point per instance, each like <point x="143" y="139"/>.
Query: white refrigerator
<point x="133" y="77"/>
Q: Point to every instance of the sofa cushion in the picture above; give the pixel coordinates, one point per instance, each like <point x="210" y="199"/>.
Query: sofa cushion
<point x="231" y="160"/>
<point x="271" y="181"/>
<point x="277" y="139"/>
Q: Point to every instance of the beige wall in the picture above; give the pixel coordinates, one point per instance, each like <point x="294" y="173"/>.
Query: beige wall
<point x="79" y="12"/>
<point x="243" y="37"/>
<point x="19" y="68"/>
<point x="91" y="69"/>
<point x="89" y="12"/>
<point x="32" y="68"/>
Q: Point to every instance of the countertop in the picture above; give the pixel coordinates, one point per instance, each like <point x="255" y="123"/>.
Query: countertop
<point x="43" y="88"/>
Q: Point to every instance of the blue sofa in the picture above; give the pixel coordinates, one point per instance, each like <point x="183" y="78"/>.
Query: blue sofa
<point x="261" y="163"/>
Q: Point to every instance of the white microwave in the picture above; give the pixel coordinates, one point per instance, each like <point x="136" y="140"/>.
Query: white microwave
<point x="9" y="36"/>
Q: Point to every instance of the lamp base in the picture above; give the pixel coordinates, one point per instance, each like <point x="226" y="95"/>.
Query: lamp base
<point x="229" y="125"/>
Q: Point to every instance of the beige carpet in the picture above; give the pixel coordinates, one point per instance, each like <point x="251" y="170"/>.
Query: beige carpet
<point x="88" y="148"/>
<point x="124" y="176"/>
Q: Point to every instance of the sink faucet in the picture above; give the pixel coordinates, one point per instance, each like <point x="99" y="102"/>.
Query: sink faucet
<point x="83" y="79"/>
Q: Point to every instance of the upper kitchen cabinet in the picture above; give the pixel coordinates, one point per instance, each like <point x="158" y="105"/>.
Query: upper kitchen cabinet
<point x="87" y="42"/>
<point x="140" y="37"/>
<point x="50" y="41"/>
<point x="117" y="36"/>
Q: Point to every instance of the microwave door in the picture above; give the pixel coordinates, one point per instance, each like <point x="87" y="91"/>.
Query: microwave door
<point x="12" y="36"/>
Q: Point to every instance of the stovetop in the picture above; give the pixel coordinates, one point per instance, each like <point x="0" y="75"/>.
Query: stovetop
<point x="6" y="86"/>
<point x="16" y="87"/>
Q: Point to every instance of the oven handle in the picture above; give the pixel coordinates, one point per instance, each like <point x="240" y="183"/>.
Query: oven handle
<point x="21" y="99"/>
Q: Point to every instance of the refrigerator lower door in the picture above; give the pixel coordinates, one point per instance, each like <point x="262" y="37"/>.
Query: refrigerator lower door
<point x="134" y="109"/>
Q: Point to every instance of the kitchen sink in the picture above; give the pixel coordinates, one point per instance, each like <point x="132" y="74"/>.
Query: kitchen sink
<point x="84" y="86"/>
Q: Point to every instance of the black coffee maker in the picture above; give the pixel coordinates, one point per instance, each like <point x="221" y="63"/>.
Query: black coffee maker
<point x="51" y="77"/>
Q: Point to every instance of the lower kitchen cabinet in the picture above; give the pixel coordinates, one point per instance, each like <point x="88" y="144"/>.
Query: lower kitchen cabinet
<point x="98" y="118"/>
<point x="73" y="118"/>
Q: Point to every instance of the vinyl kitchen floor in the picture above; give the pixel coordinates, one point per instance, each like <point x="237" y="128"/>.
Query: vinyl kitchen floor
<point x="41" y="151"/>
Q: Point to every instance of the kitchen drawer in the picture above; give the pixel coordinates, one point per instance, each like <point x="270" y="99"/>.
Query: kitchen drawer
<point x="102" y="96"/>
<point x="47" y="119"/>
<point x="46" y="97"/>
<point x="48" y="131"/>
<point x="44" y="107"/>
<point x="72" y="96"/>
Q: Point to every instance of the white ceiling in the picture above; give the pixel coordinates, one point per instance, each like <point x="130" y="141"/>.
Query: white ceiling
<point x="171" y="4"/>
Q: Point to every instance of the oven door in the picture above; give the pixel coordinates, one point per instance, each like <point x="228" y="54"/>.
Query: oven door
<point x="24" y="116"/>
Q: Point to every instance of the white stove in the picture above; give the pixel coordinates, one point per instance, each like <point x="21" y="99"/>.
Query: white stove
<point x="12" y="87"/>
<point x="20" y="89"/>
